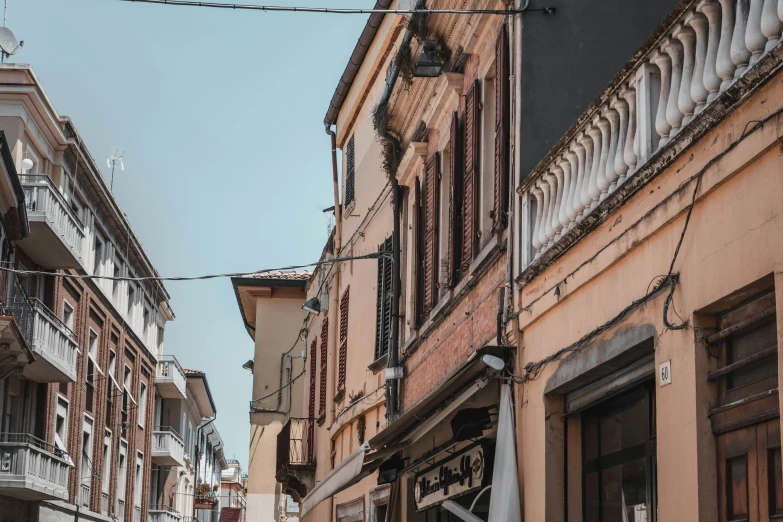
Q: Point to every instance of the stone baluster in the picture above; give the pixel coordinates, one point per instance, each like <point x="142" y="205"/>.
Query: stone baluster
<point x="588" y="187"/>
<point x="582" y="177"/>
<point x="543" y="235"/>
<point x="613" y="119"/>
<point x="712" y="81"/>
<point x="600" y="179"/>
<point x="535" y="235"/>
<point x="771" y="24"/>
<point x="620" y="166"/>
<point x="724" y="66"/>
<point x="685" y="102"/>
<point x="754" y="38"/>
<point x="565" y="201"/>
<point x="558" y="195"/>
<point x="662" y="125"/>
<point x="593" y="189"/>
<point x="674" y="116"/>
<point x="740" y="54"/>
<point x="572" y="209"/>
<point x="630" y="154"/>
<point x="699" y="92"/>
<point x="551" y="180"/>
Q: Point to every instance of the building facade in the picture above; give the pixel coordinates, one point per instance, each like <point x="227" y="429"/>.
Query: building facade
<point x="89" y="406"/>
<point x="233" y="491"/>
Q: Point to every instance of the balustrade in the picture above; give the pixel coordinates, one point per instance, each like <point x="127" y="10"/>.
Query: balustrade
<point x="120" y="509"/>
<point x="712" y="45"/>
<point x="84" y="495"/>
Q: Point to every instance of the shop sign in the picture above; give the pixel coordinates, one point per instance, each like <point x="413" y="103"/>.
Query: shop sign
<point x="450" y="478"/>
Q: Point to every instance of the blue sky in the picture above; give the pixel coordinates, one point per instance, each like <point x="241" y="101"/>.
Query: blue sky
<point x="227" y="165"/>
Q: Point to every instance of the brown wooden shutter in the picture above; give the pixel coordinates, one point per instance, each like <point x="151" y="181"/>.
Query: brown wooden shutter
<point x="431" y="212"/>
<point x="500" y="210"/>
<point x="455" y="203"/>
<point x="350" y="171"/>
<point x="419" y="302"/>
<point x="383" y="302"/>
<point x="324" y="344"/>
<point x="470" y="178"/>
<point x="311" y="398"/>
<point x="343" y="340"/>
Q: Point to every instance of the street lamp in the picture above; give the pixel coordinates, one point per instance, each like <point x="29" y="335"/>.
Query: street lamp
<point x="429" y="64"/>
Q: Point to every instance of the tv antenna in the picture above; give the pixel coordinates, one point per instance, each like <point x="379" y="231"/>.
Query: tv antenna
<point x="112" y="161"/>
<point x="8" y="42"/>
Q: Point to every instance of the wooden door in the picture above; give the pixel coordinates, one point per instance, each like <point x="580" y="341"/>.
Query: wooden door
<point x="750" y="484"/>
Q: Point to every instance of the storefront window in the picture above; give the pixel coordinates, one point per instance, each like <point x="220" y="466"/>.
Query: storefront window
<point x="618" y="468"/>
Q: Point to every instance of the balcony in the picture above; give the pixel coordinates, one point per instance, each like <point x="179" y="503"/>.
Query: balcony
<point x="104" y="504"/>
<point x="167" y="448"/>
<point x="31" y="469"/>
<point x="56" y="235"/>
<point x="84" y="495"/>
<point x="698" y="67"/>
<point x="170" y="379"/>
<point x="163" y="514"/>
<point x="120" y="509"/>
<point x="136" y="513"/>
<point x="295" y="468"/>
<point x="54" y="345"/>
<point x="16" y="327"/>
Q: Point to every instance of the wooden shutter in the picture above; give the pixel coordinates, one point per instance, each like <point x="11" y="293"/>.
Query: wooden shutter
<point x="419" y="302"/>
<point x="500" y="212"/>
<point x="313" y="369"/>
<point x="470" y="178"/>
<point x="350" y="171"/>
<point x="343" y="340"/>
<point x="324" y="341"/>
<point x="383" y="302"/>
<point x="455" y="203"/>
<point x="431" y="212"/>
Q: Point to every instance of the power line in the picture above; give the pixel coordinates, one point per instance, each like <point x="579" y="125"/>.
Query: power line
<point x="372" y="255"/>
<point x="331" y="10"/>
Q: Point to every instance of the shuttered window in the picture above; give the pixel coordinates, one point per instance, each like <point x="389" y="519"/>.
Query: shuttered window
<point x="471" y="177"/>
<point x="343" y="340"/>
<point x="455" y="204"/>
<point x="419" y="302"/>
<point x="431" y="213"/>
<point x="350" y="171"/>
<point x="313" y="369"/>
<point x="383" y="302"/>
<point x="500" y="209"/>
<point x="324" y="337"/>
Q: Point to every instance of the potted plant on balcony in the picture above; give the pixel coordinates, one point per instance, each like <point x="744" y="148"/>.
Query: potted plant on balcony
<point x="205" y="498"/>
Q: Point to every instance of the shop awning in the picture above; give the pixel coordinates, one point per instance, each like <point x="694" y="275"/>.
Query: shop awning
<point x="448" y="393"/>
<point x="504" y="505"/>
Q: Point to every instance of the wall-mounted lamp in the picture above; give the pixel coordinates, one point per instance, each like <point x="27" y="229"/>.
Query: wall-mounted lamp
<point x="429" y="64"/>
<point x="27" y="164"/>
<point x="496" y="363"/>
<point x="313" y="305"/>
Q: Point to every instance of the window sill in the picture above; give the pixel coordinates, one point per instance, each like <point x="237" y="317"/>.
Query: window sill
<point x="379" y="364"/>
<point x="348" y="209"/>
<point x="338" y="398"/>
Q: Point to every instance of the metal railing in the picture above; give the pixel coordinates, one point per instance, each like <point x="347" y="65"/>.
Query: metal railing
<point x="17" y="305"/>
<point x="295" y="445"/>
<point x="43" y="198"/>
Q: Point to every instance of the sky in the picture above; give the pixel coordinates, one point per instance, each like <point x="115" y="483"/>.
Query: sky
<point x="227" y="165"/>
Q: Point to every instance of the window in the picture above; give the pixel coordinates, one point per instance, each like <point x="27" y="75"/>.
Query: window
<point x="618" y="457"/>
<point x="324" y="338"/>
<point x="131" y="299"/>
<point x="106" y="470"/>
<point x="61" y="426"/>
<point x="420" y="249"/>
<point x="92" y="368"/>
<point x="350" y="172"/>
<point x="431" y="211"/>
<point x="86" y="461"/>
<point x="137" y="489"/>
<point x="122" y="471"/>
<point x="471" y="177"/>
<point x="313" y="369"/>
<point x="383" y="301"/>
<point x="115" y="284"/>
<point x="343" y="355"/>
<point x="502" y="180"/>
<point x="142" y="404"/>
<point x="98" y="256"/>
<point x="68" y="315"/>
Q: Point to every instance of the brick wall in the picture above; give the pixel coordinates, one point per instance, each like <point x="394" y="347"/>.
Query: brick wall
<point x="470" y="325"/>
<point x="91" y="311"/>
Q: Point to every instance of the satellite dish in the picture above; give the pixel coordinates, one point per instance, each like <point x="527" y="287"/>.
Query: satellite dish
<point x="8" y="42"/>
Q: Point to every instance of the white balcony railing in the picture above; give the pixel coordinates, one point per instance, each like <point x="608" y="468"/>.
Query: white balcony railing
<point x="136" y="513"/>
<point x="712" y="45"/>
<point x="120" y="509"/>
<point x="32" y="469"/>
<point x="46" y="204"/>
<point x="55" y="346"/>
<point x="167" y="447"/>
<point x="84" y="495"/>
<point x="104" y="503"/>
<point x="163" y="514"/>
<point x="170" y="378"/>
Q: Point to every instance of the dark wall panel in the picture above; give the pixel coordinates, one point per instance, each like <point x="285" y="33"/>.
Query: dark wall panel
<point x="570" y="56"/>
